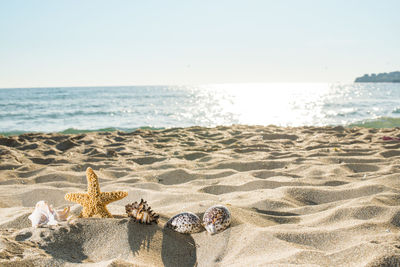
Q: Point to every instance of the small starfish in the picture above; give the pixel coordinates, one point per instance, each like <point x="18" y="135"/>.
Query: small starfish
<point x="94" y="201"/>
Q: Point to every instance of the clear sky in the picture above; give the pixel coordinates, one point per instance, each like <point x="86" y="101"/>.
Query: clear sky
<point x="94" y="42"/>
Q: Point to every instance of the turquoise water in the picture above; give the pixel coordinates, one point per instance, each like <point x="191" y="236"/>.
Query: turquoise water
<point x="127" y="108"/>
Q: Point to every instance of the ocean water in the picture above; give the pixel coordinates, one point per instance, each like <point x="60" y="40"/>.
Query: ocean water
<point x="79" y="109"/>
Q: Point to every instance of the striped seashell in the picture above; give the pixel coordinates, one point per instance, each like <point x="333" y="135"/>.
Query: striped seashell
<point x="216" y="219"/>
<point x="185" y="223"/>
<point x="141" y="212"/>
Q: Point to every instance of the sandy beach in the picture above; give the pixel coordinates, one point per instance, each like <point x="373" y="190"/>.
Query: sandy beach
<point x="304" y="196"/>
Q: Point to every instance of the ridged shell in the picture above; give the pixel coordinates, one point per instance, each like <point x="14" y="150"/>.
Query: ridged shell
<point x="185" y="223"/>
<point x="216" y="219"/>
<point x="141" y="212"/>
<point x="45" y="214"/>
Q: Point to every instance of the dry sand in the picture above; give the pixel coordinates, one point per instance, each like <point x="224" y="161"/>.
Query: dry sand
<point x="307" y="196"/>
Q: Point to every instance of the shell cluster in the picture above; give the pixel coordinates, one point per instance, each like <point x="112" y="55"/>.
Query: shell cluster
<point x="45" y="214"/>
<point x="216" y="219"/>
<point x="141" y="212"/>
<point x="185" y="223"/>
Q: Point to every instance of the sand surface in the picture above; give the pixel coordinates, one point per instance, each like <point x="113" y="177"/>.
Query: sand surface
<point x="307" y="196"/>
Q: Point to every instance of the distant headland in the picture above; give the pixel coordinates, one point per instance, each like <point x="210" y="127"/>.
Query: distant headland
<point x="391" y="77"/>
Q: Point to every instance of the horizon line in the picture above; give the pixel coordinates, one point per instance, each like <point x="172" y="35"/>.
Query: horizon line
<point x="170" y="85"/>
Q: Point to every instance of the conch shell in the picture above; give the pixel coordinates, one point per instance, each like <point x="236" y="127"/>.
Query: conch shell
<point x="141" y="212"/>
<point x="45" y="214"/>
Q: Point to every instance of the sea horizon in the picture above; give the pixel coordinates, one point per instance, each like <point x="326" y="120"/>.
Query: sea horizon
<point x="186" y="84"/>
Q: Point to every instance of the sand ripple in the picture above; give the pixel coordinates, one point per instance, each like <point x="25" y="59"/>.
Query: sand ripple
<point x="307" y="196"/>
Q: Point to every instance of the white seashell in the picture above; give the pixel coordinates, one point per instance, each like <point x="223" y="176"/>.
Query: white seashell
<point x="216" y="219"/>
<point x="44" y="214"/>
<point x="185" y="223"/>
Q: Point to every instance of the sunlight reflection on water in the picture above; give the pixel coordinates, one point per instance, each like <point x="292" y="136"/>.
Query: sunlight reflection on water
<point x="90" y="108"/>
<point x="263" y="104"/>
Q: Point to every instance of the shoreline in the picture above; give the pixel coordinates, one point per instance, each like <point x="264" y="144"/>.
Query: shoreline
<point x="379" y="123"/>
<point x="308" y="196"/>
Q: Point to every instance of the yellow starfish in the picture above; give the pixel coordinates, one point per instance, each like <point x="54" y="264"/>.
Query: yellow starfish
<point x="94" y="201"/>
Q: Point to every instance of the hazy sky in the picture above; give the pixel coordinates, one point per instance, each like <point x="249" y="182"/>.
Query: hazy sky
<point x="71" y="42"/>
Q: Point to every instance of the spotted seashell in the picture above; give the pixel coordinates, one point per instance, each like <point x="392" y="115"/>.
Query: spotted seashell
<point x="216" y="219"/>
<point x="141" y="212"/>
<point x="185" y="223"/>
